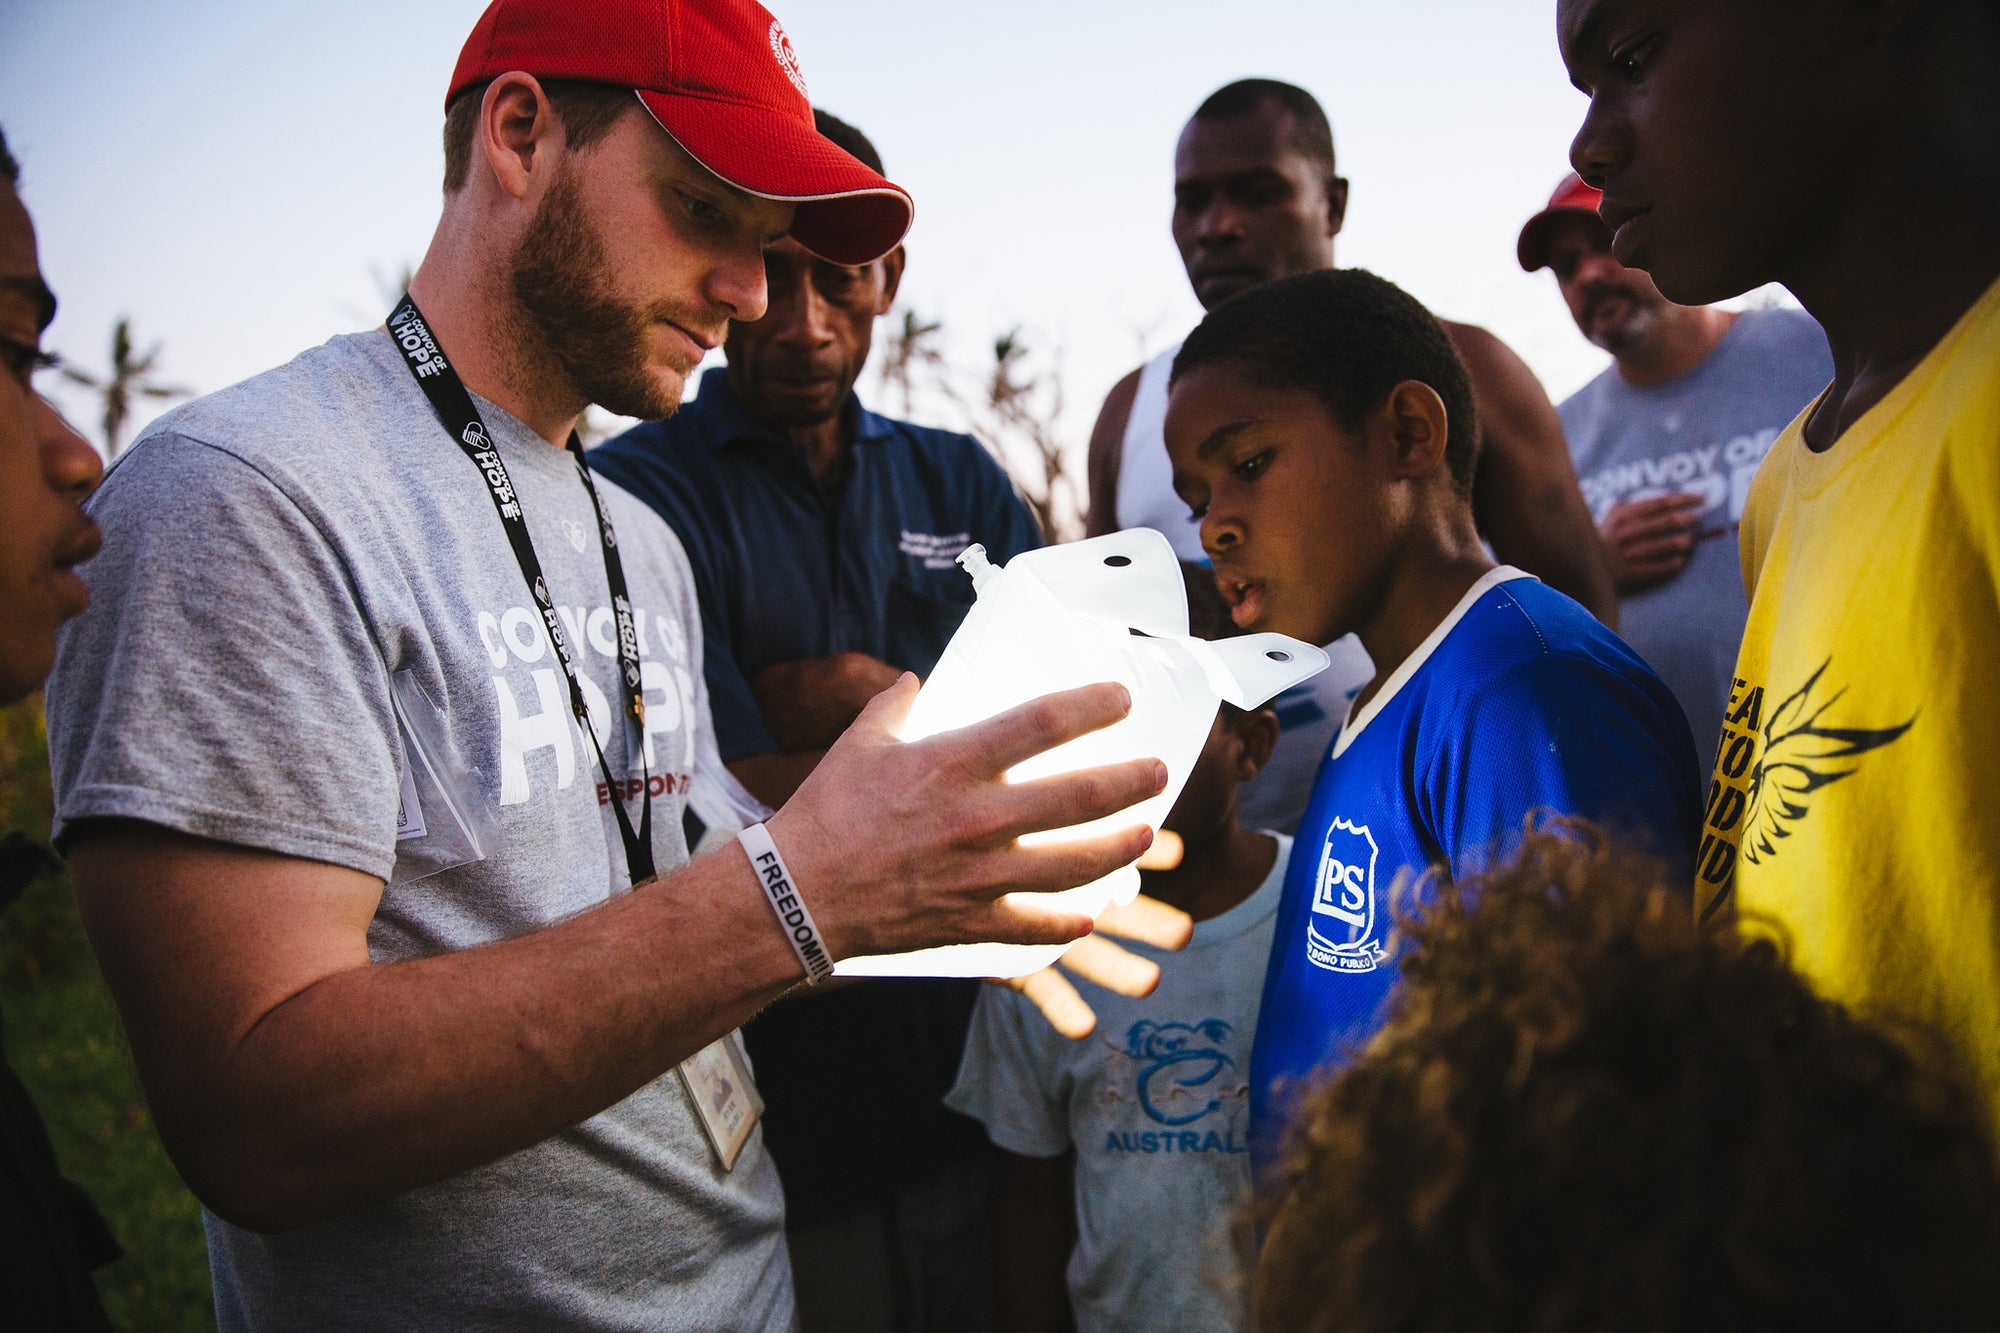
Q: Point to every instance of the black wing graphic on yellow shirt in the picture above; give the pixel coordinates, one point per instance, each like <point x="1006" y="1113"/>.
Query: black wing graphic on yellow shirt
<point x="1800" y="755"/>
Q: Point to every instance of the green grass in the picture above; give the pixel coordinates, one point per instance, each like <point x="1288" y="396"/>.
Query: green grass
<point x="63" y="1039"/>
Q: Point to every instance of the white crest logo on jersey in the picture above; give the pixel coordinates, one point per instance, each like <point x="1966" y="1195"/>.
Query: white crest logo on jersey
<point x="578" y="537"/>
<point x="788" y="59"/>
<point x="1344" y="891"/>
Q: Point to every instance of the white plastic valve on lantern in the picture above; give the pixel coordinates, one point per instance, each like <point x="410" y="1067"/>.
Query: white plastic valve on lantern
<point x="1110" y="608"/>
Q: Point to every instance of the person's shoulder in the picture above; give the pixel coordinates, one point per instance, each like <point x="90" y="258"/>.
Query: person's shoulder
<point x="935" y="440"/>
<point x="1484" y="352"/>
<point x="1522" y="628"/>
<point x="667" y="469"/>
<point x="1779" y="348"/>
<point x="953" y="455"/>
<point x="323" y="389"/>
<point x="1581" y="410"/>
<point x="1119" y="397"/>
<point x="1971" y="350"/>
<point x="1788" y="334"/>
<point x="649" y="449"/>
<point x="1782" y="323"/>
<point x="1006" y="1023"/>
<point x="638" y="524"/>
<point x="302" y="426"/>
<point x="1536" y="648"/>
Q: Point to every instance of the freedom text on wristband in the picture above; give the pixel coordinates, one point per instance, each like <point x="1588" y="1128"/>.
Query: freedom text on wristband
<point x="785" y="901"/>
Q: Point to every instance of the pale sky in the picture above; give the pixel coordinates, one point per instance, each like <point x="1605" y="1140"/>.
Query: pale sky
<point x="235" y="176"/>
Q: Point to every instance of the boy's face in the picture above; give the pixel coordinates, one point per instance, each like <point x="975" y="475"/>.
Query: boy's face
<point x="1296" y="512"/>
<point x="46" y="470"/>
<point x="1720" y="131"/>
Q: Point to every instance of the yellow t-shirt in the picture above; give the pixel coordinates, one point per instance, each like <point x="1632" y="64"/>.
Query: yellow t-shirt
<point x="1856" y="793"/>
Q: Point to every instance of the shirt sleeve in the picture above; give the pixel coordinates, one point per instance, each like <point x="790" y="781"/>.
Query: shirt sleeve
<point x="1558" y="735"/>
<point x="1010" y="1078"/>
<point x="224" y="682"/>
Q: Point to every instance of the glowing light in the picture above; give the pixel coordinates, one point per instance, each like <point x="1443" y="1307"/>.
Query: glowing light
<point x="1110" y="608"/>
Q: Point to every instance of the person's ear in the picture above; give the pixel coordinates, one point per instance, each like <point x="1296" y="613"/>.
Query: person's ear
<point x="1336" y="204"/>
<point x="892" y="279"/>
<point x="518" y="132"/>
<point x="1256" y="735"/>
<point x="1419" y="427"/>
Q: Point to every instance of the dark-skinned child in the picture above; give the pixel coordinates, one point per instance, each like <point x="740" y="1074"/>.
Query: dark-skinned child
<point x="1126" y="1154"/>
<point x="1322" y="428"/>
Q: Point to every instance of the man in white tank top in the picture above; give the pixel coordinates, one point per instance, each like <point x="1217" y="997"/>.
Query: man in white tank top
<point x="1256" y="197"/>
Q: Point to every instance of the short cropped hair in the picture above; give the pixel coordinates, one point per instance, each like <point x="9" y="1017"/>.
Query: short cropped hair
<point x="1347" y="337"/>
<point x="1587" y="1112"/>
<point x="851" y="141"/>
<point x="587" y="112"/>
<point x="10" y="170"/>
<point x="1312" y="135"/>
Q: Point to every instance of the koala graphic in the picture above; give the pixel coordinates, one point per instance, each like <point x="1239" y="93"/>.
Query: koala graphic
<point x="1187" y="1050"/>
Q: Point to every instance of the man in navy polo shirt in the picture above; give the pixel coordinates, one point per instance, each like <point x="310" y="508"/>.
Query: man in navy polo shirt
<point x="823" y="541"/>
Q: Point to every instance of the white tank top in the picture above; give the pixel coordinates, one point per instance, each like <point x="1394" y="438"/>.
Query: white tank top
<point x="1145" y="496"/>
<point x="1310" y="714"/>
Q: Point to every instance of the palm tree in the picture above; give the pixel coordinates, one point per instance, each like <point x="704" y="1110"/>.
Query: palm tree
<point x="130" y="378"/>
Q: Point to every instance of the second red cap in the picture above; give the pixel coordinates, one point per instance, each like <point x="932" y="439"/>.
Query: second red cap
<point x="721" y="77"/>
<point x="1572" y="196"/>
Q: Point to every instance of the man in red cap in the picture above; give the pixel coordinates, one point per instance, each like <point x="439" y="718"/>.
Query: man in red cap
<point x="376" y="755"/>
<point x="1666" y="440"/>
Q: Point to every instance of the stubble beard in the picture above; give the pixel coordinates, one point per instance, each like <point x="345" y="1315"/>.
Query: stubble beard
<point x="586" y="342"/>
<point x="1630" y="334"/>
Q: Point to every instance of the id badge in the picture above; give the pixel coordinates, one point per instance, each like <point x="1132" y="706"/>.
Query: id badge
<point x="725" y="1099"/>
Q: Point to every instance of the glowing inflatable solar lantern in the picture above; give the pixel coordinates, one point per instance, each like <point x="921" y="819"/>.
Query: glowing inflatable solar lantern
<point x="1110" y="608"/>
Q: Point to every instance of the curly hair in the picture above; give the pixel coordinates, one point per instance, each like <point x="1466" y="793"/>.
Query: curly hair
<point x="1587" y="1112"/>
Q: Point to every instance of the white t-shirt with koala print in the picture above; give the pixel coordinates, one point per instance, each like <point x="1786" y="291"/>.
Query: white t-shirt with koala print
<point x="1156" y="1106"/>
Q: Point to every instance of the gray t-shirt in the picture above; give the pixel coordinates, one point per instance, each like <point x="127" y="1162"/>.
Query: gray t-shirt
<point x="1705" y="432"/>
<point x="274" y="554"/>
<point x="1155" y="1104"/>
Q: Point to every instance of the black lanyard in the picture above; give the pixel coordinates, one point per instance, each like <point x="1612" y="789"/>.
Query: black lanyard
<point x="455" y="409"/>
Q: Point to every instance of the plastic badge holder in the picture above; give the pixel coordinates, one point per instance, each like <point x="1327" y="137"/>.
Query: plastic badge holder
<point x="446" y="816"/>
<point x="1110" y="608"/>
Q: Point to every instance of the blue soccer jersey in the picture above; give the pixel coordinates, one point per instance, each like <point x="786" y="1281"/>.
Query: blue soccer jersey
<point x="1520" y="703"/>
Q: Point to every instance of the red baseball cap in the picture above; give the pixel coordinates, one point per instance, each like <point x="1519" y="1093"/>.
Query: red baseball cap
<point x="721" y="78"/>
<point x="1572" y="196"/>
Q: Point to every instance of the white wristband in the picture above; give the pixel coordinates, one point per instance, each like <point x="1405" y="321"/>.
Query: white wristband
<point x="785" y="901"/>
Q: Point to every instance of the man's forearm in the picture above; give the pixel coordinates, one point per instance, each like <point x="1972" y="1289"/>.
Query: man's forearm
<point x="292" y="1077"/>
<point x="379" y="1078"/>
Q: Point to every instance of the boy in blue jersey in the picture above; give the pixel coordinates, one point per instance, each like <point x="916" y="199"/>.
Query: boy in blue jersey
<point x="1322" y="428"/>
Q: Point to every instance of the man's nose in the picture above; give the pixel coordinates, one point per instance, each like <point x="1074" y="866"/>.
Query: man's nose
<point x="1221" y="224"/>
<point x="1600" y="268"/>
<point x="806" y="315"/>
<point x="737" y="287"/>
